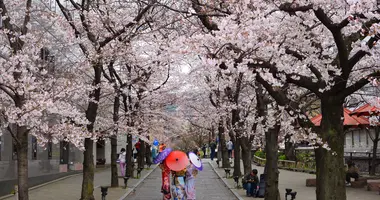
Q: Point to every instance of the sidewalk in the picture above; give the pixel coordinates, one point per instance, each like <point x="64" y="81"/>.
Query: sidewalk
<point x="295" y="181"/>
<point x="70" y="188"/>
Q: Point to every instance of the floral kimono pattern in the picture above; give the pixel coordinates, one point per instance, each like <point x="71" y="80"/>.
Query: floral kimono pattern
<point x="178" y="188"/>
<point x="191" y="173"/>
<point x="165" y="189"/>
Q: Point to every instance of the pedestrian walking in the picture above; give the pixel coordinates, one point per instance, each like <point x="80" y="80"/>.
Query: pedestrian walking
<point x="165" y="188"/>
<point x="213" y="147"/>
<point x="122" y="161"/>
<point x="178" y="188"/>
<point x="230" y="147"/>
<point x="191" y="173"/>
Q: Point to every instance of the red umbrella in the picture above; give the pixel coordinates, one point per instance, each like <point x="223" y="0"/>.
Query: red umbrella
<point x="177" y="160"/>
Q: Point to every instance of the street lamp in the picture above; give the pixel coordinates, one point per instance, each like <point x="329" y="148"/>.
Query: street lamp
<point x="139" y="172"/>
<point x="227" y="171"/>
<point x="125" y="181"/>
<point x="288" y="192"/>
<point x="236" y="179"/>
<point x="293" y="195"/>
<point x="104" y="190"/>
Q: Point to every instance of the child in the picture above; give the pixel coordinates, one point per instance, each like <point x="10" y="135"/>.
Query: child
<point x="251" y="182"/>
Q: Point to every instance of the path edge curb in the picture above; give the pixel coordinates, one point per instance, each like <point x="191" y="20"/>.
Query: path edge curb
<point x="137" y="184"/>
<point x="225" y="182"/>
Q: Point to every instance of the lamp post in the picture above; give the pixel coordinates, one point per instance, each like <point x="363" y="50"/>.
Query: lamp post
<point x="293" y="195"/>
<point x="236" y="179"/>
<point x="139" y="172"/>
<point x="227" y="171"/>
<point x="288" y="192"/>
<point x="104" y="190"/>
<point x="125" y="181"/>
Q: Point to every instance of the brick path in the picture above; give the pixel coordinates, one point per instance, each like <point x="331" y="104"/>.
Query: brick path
<point x="208" y="186"/>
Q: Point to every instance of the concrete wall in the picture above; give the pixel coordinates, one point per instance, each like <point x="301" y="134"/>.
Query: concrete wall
<point x="41" y="167"/>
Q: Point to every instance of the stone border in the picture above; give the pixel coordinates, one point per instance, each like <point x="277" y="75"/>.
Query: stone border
<point x="225" y="182"/>
<point x="129" y="190"/>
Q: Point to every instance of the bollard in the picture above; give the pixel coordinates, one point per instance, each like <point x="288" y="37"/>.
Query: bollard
<point x="293" y="195"/>
<point x="227" y="172"/>
<point x="288" y="192"/>
<point x="104" y="190"/>
<point x="125" y="181"/>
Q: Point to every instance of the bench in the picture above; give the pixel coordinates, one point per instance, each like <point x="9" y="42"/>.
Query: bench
<point x="360" y="183"/>
<point x="311" y="182"/>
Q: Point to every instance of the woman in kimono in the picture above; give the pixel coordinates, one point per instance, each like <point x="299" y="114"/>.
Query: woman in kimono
<point x="191" y="173"/>
<point x="165" y="188"/>
<point x="178" y="188"/>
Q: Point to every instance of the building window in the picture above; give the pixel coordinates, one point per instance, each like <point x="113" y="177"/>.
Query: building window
<point x="50" y="149"/>
<point x="34" y="148"/>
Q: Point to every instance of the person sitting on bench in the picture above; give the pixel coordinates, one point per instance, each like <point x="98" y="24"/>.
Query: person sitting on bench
<point x="250" y="183"/>
<point x="352" y="172"/>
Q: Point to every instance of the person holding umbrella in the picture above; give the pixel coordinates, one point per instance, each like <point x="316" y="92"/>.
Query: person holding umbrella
<point x="165" y="188"/>
<point x="191" y="173"/>
<point x="161" y="158"/>
<point x="177" y="162"/>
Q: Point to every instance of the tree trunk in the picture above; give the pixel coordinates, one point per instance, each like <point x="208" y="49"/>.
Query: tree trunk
<point x="88" y="158"/>
<point x="330" y="164"/>
<point x="114" y="173"/>
<point x="22" y="162"/>
<point x="272" y="173"/>
<point x="141" y="155"/>
<point x="222" y="151"/>
<point x="129" y="157"/>
<point x="237" y="170"/>
<point x="88" y="171"/>
<point x="289" y="149"/>
<point x="246" y="154"/>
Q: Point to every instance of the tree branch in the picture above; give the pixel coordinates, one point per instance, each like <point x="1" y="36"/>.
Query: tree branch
<point x="124" y="29"/>
<point x="359" y="84"/>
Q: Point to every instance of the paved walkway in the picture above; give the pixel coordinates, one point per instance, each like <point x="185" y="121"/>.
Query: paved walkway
<point x="208" y="186"/>
<point x="297" y="182"/>
<point x="70" y="188"/>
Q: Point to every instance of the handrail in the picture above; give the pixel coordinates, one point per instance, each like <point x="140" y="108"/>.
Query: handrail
<point x="290" y="164"/>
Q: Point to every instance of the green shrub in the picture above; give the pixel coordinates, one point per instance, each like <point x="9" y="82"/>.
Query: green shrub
<point x="260" y="154"/>
<point x="282" y="157"/>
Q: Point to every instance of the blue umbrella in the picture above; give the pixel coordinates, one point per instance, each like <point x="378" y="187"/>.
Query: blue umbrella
<point x="155" y="142"/>
<point x="161" y="156"/>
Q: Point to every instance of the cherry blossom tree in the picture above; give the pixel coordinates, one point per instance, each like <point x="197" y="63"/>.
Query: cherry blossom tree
<point x="36" y="91"/>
